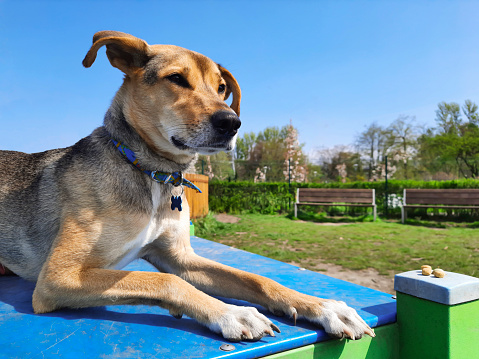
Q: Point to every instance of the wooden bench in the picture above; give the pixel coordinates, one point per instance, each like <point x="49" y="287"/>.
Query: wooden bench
<point x="335" y="197"/>
<point x="439" y="198"/>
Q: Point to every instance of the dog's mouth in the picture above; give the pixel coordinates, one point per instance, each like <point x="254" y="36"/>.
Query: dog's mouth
<point x="178" y="143"/>
<point x="208" y="148"/>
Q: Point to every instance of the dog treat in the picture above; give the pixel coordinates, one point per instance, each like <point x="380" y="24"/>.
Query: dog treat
<point x="426" y="270"/>
<point x="426" y="266"/>
<point x="438" y="273"/>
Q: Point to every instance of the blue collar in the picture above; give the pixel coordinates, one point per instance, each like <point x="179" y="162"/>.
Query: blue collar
<point x="175" y="178"/>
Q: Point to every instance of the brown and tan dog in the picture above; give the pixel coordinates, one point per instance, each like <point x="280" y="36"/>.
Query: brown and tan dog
<point x="71" y="218"/>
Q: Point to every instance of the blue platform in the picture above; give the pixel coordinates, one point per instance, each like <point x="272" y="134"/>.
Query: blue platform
<point x="150" y="332"/>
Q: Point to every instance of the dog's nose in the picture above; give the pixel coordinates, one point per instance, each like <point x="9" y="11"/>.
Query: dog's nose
<point x="225" y="122"/>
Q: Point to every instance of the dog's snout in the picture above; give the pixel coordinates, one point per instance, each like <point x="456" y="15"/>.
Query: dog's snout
<point x="225" y="122"/>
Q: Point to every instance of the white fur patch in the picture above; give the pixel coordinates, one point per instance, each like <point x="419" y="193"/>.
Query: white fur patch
<point x="336" y="318"/>
<point x="239" y="323"/>
<point x="151" y="232"/>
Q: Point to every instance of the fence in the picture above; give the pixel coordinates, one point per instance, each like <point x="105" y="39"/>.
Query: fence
<point x="198" y="202"/>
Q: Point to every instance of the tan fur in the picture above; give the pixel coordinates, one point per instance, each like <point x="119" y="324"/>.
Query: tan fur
<point x="98" y="233"/>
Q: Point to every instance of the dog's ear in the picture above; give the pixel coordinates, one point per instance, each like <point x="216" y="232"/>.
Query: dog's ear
<point x="125" y="52"/>
<point x="231" y="87"/>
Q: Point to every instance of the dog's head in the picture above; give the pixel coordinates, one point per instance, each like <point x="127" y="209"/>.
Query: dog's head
<point x="173" y="97"/>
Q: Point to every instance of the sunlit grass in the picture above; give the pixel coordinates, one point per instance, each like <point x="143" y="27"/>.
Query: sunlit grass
<point x="384" y="246"/>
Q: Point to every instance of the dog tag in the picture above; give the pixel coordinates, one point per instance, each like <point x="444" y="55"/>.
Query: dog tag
<point x="176" y="203"/>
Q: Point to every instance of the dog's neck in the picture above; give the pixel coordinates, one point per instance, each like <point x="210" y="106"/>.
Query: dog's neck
<point x="120" y="130"/>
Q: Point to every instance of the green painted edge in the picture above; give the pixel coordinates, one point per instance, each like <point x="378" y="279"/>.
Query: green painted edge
<point x="437" y="330"/>
<point x="464" y="330"/>
<point x="422" y="327"/>
<point x="384" y="346"/>
<point x="192" y="229"/>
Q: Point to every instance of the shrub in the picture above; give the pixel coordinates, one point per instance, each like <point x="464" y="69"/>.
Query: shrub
<point x="270" y="198"/>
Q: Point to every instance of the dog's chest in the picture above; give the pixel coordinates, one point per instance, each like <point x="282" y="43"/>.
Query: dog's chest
<point x="156" y="226"/>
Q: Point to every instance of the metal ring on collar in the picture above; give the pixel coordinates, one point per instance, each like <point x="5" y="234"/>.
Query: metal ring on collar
<point x="180" y="182"/>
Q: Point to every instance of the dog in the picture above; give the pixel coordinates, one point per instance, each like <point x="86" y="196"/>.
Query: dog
<point x="72" y="218"/>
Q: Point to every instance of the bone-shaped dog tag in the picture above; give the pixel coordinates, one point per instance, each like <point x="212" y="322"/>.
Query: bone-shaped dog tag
<point x="176" y="203"/>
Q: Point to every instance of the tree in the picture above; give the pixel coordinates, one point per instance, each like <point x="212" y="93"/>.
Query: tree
<point x="294" y="166"/>
<point x="244" y="145"/>
<point x="268" y="153"/>
<point x="339" y="162"/>
<point x="216" y="167"/>
<point x="314" y="172"/>
<point x="372" y="143"/>
<point x="448" y="117"/>
<point x="403" y="133"/>
<point x="454" y="141"/>
<point x="264" y="152"/>
<point x="470" y="110"/>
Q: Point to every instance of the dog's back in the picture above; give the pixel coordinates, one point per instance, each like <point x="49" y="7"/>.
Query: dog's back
<point x="27" y="187"/>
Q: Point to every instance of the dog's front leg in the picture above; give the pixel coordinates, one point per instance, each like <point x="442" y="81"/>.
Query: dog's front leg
<point x="99" y="287"/>
<point x="214" y="278"/>
<point x="75" y="276"/>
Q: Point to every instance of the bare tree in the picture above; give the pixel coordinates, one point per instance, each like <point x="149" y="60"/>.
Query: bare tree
<point x="403" y="133"/>
<point x="372" y="143"/>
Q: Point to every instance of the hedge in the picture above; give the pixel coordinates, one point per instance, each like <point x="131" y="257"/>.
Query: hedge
<point x="270" y="198"/>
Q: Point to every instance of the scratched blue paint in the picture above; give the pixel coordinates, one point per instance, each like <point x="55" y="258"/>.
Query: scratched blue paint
<point x="142" y="331"/>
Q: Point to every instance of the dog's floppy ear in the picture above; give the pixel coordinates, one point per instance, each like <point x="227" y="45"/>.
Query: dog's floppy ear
<point x="125" y="52"/>
<point x="231" y="87"/>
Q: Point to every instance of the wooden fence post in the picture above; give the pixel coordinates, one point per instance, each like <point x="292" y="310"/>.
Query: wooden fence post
<point x="198" y="202"/>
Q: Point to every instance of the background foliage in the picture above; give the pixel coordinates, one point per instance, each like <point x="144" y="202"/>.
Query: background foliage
<point x="448" y="151"/>
<point x="277" y="197"/>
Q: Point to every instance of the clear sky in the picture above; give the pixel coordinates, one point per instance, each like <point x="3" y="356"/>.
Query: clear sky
<point x="333" y="67"/>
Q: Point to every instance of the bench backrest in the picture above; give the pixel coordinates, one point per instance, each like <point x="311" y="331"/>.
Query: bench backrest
<point x="442" y="196"/>
<point x="335" y="195"/>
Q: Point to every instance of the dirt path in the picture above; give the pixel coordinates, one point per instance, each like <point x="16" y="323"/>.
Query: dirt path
<point x="367" y="277"/>
<point x="226" y="218"/>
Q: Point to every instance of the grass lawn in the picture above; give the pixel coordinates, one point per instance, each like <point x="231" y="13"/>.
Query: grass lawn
<point x="385" y="246"/>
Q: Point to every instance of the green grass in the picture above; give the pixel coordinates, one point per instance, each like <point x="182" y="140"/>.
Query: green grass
<point x="385" y="246"/>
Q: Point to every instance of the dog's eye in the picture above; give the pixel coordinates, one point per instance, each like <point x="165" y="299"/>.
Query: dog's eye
<point x="222" y="88"/>
<point x="178" y="79"/>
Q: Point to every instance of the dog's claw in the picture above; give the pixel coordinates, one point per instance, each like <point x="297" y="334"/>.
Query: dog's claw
<point x="349" y="334"/>
<point x="295" y="316"/>
<point x="275" y="328"/>
<point x="246" y="334"/>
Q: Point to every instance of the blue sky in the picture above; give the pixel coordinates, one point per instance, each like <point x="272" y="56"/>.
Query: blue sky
<point x="333" y="67"/>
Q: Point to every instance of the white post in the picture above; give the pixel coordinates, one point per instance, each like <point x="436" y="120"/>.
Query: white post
<point x="296" y="203"/>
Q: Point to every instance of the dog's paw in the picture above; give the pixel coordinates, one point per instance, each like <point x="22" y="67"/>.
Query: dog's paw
<point x="337" y="319"/>
<point x="243" y="323"/>
<point x="341" y="321"/>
